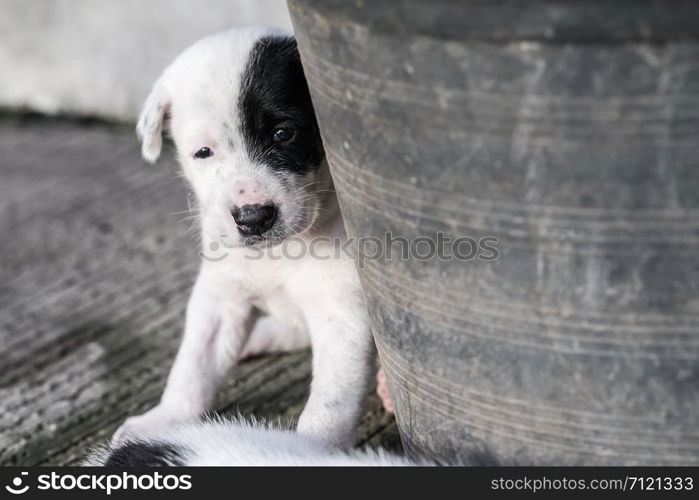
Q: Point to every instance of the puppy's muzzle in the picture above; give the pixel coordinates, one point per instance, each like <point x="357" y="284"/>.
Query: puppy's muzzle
<point x="254" y="219"/>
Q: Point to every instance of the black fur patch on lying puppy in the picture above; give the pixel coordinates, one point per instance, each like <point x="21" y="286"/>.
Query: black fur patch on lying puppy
<point x="145" y="455"/>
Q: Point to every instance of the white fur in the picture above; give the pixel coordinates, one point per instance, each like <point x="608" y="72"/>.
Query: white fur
<point x="237" y="443"/>
<point x="241" y="306"/>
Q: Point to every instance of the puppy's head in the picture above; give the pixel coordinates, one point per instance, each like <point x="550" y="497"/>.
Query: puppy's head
<point x="238" y="109"/>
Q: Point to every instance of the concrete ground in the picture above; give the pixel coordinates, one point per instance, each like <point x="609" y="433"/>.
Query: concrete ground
<point x="95" y="270"/>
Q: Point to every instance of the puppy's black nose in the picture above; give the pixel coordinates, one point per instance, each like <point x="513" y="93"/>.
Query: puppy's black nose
<point x="254" y="219"/>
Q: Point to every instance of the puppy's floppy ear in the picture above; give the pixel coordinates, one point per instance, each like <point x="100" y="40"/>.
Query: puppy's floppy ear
<point x="151" y="122"/>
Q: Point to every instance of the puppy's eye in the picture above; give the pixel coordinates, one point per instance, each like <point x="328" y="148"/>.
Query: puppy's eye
<point x="283" y="134"/>
<point x="203" y="153"/>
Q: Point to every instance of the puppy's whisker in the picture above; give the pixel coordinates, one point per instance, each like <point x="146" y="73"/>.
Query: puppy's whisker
<point x="189" y="218"/>
<point x="189" y="211"/>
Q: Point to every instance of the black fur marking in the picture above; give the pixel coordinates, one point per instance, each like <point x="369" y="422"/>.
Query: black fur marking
<point x="274" y="95"/>
<point x="145" y="455"/>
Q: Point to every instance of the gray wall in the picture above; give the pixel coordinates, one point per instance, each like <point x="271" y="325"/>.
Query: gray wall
<point x="99" y="57"/>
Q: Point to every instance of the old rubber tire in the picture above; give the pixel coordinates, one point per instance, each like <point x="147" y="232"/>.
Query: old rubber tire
<point x="569" y="130"/>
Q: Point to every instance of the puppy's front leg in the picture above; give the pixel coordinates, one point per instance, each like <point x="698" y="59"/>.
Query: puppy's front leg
<point x="343" y="365"/>
<point x="217" y="325"/>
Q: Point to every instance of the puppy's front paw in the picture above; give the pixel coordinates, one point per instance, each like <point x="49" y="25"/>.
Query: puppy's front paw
<point x="141" y="426"/>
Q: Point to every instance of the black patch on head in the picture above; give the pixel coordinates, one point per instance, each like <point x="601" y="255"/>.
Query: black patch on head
<point x="274" y="94"/>
<point x="145" y="455"/>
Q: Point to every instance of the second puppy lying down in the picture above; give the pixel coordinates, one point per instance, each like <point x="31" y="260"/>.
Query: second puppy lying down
<point x="235" y="442"/>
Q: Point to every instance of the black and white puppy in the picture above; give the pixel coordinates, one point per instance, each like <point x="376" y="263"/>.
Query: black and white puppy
<point x="238" y="109"/>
